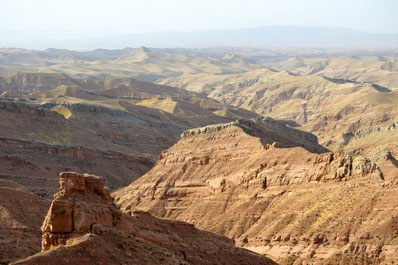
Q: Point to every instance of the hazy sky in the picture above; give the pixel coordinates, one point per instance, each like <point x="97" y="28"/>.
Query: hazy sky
<point x="137" y="16"/>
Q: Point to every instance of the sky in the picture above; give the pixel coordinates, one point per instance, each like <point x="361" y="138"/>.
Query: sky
<point x="141" y="16"/>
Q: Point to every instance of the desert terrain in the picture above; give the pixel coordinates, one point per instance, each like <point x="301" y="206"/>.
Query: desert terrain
<point x="221" y="155"/>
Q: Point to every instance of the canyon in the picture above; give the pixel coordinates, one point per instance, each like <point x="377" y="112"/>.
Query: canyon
<point x="208" y="156"/>
<point x="331" y="109"/>
<point x="116" y="128"/>
<point x="82" y="219"/>
<point x="275" y="190"/>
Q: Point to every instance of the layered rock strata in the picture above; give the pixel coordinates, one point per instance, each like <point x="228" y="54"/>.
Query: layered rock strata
<point x="118" y="140"/>
<point x="83" y="226"/>
<point x="341" y="111"/>
<point x="73" y="211"/>
<point x="270" y="188"/>
<point x="34" y="164"/>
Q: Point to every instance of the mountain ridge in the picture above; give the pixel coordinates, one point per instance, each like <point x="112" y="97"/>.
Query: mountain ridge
<point x="282" y="201"/>
<point x="255" y="36"/>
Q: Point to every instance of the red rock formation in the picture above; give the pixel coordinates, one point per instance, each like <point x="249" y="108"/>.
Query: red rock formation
<point x="262" y="184"/>
<point x="83" y="226"/>
<point x="72" y="212"/>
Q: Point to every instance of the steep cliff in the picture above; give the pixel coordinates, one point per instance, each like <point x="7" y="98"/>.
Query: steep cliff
<point x="273" y="189"/>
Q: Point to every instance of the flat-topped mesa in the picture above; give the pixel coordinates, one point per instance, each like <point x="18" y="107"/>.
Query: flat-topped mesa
<point x="207" y="129"/>
<point x="226" y="178"/>
<point x="82" y="206"/>
<point x="243" y="155"/>
<point x="269" y="131"/>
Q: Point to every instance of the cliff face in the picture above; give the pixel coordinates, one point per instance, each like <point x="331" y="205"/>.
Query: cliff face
<point x="273" y="190"/>
<point x="74" y="212"/>
<point x="34" y="164"/>
<point x="83" y="226"/>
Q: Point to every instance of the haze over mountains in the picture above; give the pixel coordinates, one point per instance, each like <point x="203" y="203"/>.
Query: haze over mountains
<point x="199" y="132"/>
<point x="260" y="37"/>
<point x="289" y="152"/>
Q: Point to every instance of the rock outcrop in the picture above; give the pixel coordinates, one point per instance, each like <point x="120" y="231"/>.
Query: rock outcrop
<point x="269" y="131"/>
<point x="83" y="226"/>
<point x="270" y="188"/>
<point x="82" y="206"/>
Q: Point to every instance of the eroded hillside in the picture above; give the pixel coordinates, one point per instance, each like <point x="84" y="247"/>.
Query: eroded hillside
<point x="116" y="127"/>
<point x="274" y="190"/>
<point x="84" y="226"/>
<point x="316" y="186"/>
<point x="337" y="111"/>
<point x="21" y="215"/>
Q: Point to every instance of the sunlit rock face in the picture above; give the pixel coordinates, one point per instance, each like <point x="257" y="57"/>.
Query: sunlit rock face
<point x="81" y="206"/>
<point x="83" y="226"/>
<point x="275" y="190"/>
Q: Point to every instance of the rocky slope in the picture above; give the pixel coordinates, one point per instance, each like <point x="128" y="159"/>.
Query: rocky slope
<point x="143" y="63"/>
<point x="274" y="190"/>
<point x="84" y="226"/>
<point x="332" y="109"/>
<point x="116" y="127"/>
<point x="21" y="214"/>
<point x="33" y="164"/>
<point x="381" y="70"/>
<point x="332" y="93"/>
<point x="37" y="142"/>
<point x="61" y="89"/>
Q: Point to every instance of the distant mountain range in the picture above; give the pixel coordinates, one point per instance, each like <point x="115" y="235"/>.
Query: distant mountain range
<point x="246" y="37"/>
